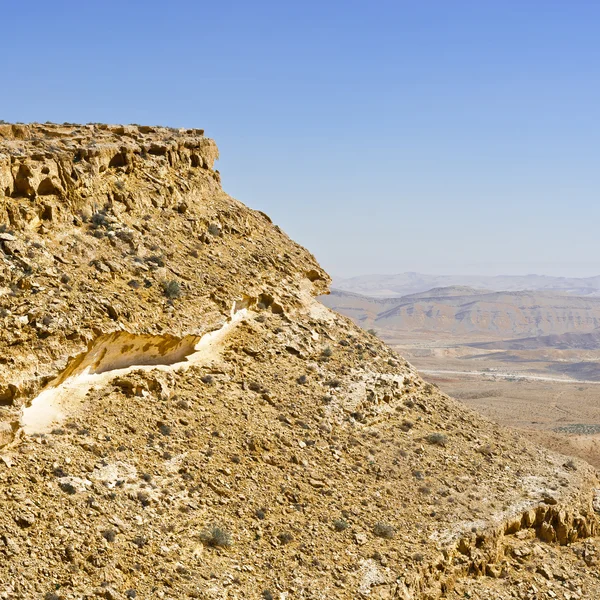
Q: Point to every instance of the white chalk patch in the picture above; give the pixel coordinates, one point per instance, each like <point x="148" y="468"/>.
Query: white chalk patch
<point x="116" y="355"/>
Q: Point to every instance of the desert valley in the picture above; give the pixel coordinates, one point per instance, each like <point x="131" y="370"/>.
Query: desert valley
<point x="526" y="358"/>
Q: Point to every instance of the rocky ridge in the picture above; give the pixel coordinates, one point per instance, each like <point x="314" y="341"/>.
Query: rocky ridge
<point x="464" y="311"/>
<point x="288" y="455"/>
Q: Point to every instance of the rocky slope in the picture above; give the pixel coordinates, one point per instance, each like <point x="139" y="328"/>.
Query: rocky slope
<point x="182" y="419"/>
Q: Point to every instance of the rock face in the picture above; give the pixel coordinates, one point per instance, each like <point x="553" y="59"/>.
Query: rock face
<point x="210" y="430"/>
<point x="136" y="215"/>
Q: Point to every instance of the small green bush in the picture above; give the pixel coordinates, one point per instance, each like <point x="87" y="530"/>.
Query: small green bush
<point x="437" y="439"/>
<point x="99" y="220"/>
<point x="333" y="383"/>
<point x="110" y="535"/>
<point x="340" y="524"/>
<point x="285" y="538"/>
<point x="383" y="530"/>
<point x="215" y="537"/>
<point x="172" y="289"/>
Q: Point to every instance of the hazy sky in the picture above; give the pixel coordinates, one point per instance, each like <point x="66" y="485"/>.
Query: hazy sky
<point x="448" y="136"/>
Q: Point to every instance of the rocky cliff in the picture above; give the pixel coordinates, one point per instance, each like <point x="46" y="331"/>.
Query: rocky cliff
<point x="180" y="418"/>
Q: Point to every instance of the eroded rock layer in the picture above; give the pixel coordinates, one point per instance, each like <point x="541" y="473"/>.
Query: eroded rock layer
<point x="265" y="447"/>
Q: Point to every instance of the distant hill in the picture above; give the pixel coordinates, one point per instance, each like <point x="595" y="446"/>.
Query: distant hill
<point x="403" y="284"/>
<point x="464" y="310"/>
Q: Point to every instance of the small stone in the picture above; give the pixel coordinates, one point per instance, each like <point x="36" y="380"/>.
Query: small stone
<point x="548" y="499"/>
<point x="316" y="483"/>
<point x="6" y="433"/>
<point x="25" y="520"/>
<point x="11" y="546"/>
<point x="494" y="571"/>
<point x="545" y="571"/>
<point x="360" y="538"/>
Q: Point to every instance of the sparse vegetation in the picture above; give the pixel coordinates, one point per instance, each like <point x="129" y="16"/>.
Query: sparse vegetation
<point x="215" y="537"/>
<point x="285" y="537"/>
<point x="165" y="429"/>
<point x="406" y="425"/>
<point x="140" y="541"/>
<point x="172" y="289"/>
<point x="143" y="498"/>
<point x="110" y="535"/>
<point x="284" y="448"/>
<point x="438" y="439"/>
<point x="384" y="530"/>
<point x="579" y="429"/>
<point x="68" y="488"/>
<point x="99" y="220"/>
<point x="340" y="525"/>
<point x="476" y="394"/>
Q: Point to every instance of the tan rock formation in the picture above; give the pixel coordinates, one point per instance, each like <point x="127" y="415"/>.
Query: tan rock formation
<point x="218" y="433"/>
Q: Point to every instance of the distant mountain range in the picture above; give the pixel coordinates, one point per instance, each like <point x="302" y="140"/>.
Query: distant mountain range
<point x="460" y="310"/>
<point x="564" y="341"/>
<point x="403" y="284"/>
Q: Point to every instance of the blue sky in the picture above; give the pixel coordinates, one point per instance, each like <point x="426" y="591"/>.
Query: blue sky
<point x="434" y="136"/>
